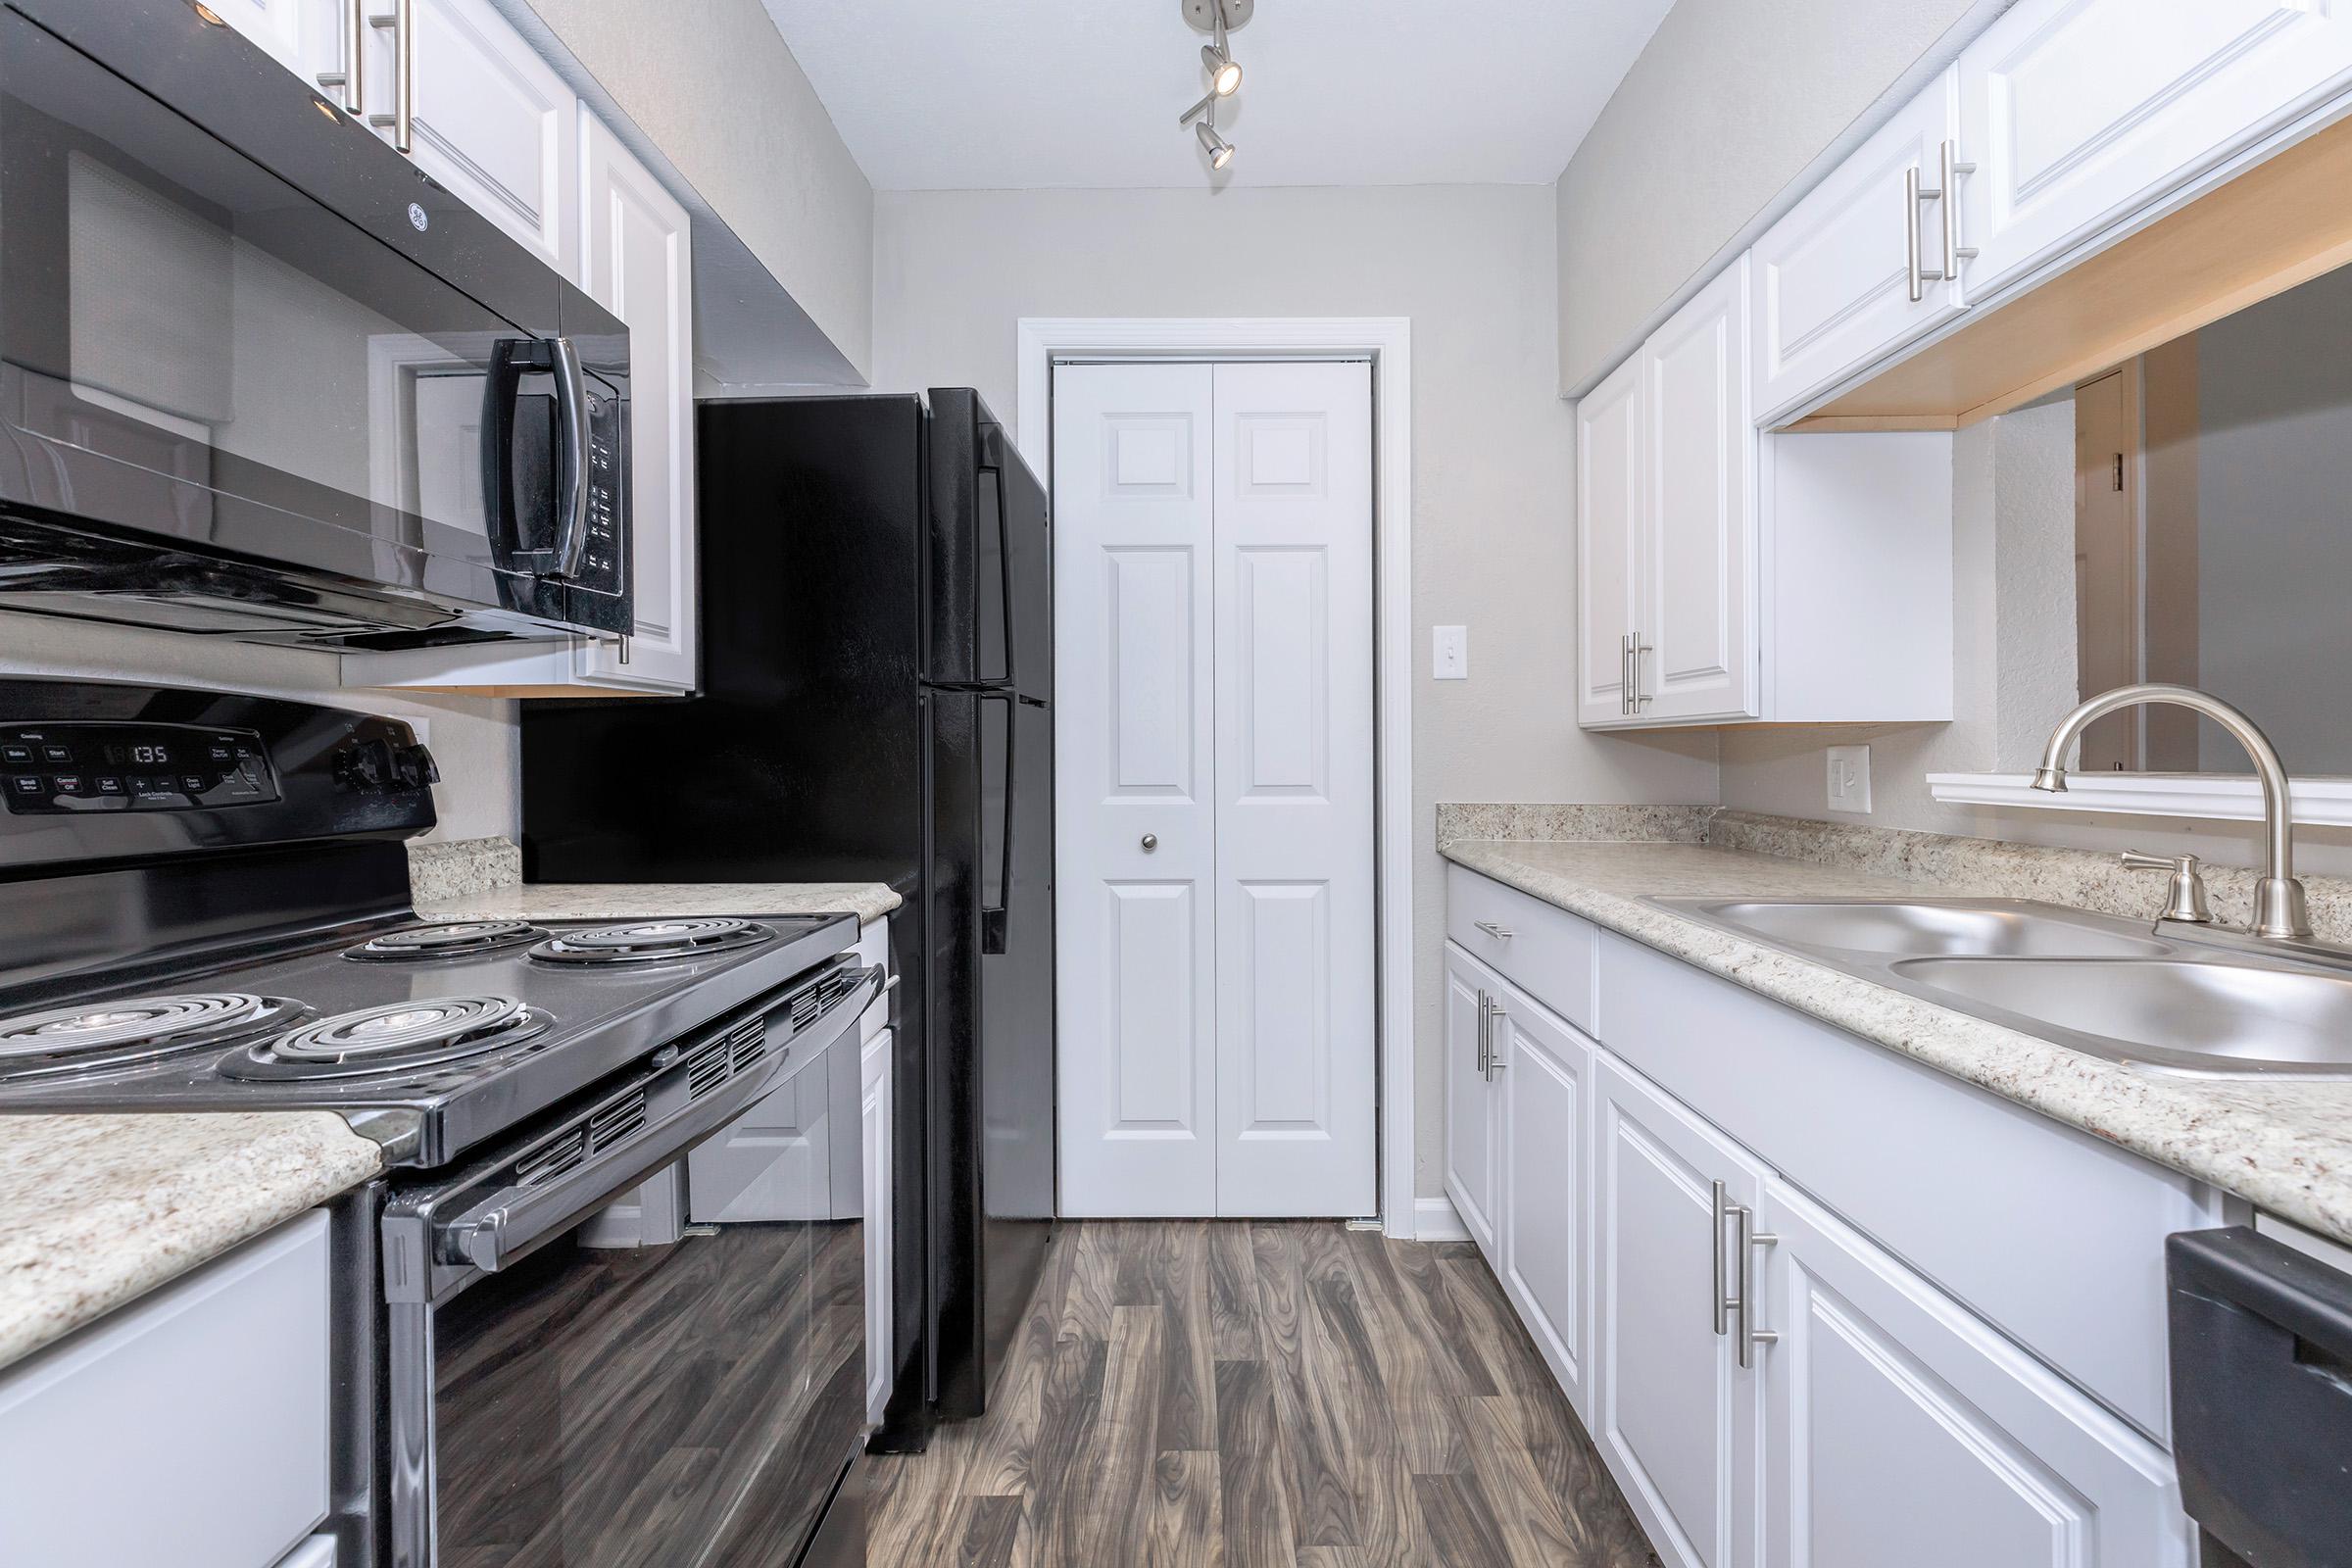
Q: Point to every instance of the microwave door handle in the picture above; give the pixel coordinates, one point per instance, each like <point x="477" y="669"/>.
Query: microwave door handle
<point x="509" y="1223"/>
<point x="509" y="359"/>
<point x="993" y="917"/>
<point x="572" y="468"/>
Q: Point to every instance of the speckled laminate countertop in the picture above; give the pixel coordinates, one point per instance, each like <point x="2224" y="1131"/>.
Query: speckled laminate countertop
<point x="620" y="900"/>
<point x="2284" y="1146"/>
<point x="98" y="1211"/>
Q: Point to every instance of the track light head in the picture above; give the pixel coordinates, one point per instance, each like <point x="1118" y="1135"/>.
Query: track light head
<point x="1219" y="150"/>
<point x="1224" y="72"/>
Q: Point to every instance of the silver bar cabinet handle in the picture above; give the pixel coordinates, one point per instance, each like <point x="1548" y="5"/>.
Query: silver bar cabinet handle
<point x="1639" y="648"/>
<point x="1954" y="253"/>
<point x="1625" y="674"/>
<point x="403" y="117"/>
<point x="1482" y="1034"/>
<point x="1715" y="1217"/>
<point x="349" y="76"/>
<point x="1500" y="933"/>
<point x="1748" y="1240"/>
<point x="1918" y="285"/>
<point x="1494" y="1061"/>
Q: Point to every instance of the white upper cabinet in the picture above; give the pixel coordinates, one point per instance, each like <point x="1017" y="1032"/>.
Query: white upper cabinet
<point x="493" y="121"/>
<point x="2081" y="113"/>
<point x="638" y="263"/>
<point x="1609" y="426"/>
<point x="1843" y="281"/>
<point x="1694" y="625"/>
<point x="281" y="27"/>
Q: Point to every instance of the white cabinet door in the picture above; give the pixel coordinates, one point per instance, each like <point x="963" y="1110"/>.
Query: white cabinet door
<point x="876" y="1116"/>
<point x="637" y="261"/>
<point x="1472" y="1159"/>
<point x="494" y="123"/>
<point x="1695" y="617"/>
<point x="1905" y="1431"/>
<point x="1832" y="278"/>
<point x="1544" y="1070"/>
<point x="2080" y="112"/>
<point x="1676" y="1414"/>
<point x="1608" y="533"/>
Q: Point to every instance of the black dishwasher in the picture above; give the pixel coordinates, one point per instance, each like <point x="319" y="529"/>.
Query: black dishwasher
<point x="2262" y="1399"/>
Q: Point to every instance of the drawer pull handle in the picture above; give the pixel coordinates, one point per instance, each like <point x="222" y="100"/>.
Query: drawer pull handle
<point x="1500" y="933"/>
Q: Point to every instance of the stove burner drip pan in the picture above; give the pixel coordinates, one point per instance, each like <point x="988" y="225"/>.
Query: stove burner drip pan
<point x="94" y="1037"/>
<point x="454" y="939"/>
<point x="400" y="1038"/>
<point x="652" y="940"/>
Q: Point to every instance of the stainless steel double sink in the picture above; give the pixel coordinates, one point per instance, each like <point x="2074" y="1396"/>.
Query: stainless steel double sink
<point x="2131" y="993"/>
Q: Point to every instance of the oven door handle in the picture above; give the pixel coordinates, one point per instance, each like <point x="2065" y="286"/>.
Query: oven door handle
<point x="503" y="1227"/>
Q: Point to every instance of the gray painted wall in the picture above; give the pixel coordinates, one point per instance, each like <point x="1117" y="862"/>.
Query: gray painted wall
<point x="713" y="85"/>
<point x="1732" y="101"/>
<point x="1492" y="532"/>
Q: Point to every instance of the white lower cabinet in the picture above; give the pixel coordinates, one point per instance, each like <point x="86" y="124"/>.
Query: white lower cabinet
<point x="1544" y="1070"/>
<point x="1770" y="1384"/>
<point x="190" y="1428"/>
<point x="1471" y="1142"/>
<point x="1676" y="1413"/>
<point x="1903" y="1430"/>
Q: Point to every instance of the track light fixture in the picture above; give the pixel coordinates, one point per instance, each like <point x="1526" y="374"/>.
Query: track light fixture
<point x="1216" y="17"/>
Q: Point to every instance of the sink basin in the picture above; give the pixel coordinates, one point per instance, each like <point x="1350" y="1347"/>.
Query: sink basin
<point x="2185" y="1015"/>
<point x="1984" y="928"/>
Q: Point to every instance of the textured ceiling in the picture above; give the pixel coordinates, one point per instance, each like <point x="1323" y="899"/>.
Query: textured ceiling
<point x="966" y="94"/>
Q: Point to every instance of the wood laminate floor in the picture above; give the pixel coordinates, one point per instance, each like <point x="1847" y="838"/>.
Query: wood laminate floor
<point x="1240" y="1394"/>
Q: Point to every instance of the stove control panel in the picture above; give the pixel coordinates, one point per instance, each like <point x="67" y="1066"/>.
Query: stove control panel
<point x="60" y="768"/>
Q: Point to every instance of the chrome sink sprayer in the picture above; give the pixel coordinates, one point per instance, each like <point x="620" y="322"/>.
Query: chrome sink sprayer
<point x="2278" y="908"/>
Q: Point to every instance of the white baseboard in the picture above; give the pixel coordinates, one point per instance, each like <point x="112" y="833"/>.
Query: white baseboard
<point x="1435" y="1220"/>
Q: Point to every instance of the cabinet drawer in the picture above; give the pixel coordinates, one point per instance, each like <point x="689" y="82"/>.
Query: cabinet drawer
<point x="2049" y="1233"/>
<point x="189" y="1427"/>
<point x="1541" y="948"/>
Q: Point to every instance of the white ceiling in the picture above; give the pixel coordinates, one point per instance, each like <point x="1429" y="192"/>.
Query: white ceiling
<point x="984" y="94"/>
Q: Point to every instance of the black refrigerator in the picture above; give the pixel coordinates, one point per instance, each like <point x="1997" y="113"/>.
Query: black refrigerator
<point x="876" y="704"/>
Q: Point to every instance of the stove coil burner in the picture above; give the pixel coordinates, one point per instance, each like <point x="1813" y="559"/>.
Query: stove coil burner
<point x="399" y="1037"/>
<point x="114" y="1034"/>
<point x="456" y="939"/>
<point x="652" y="940"/>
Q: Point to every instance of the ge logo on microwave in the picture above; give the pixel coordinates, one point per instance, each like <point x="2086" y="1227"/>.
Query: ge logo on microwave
<point x="418" y="220"/>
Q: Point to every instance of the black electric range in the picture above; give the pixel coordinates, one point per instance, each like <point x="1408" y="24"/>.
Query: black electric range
<point x="633" y="1131"/>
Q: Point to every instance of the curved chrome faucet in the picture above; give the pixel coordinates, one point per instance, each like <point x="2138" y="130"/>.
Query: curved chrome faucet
<point x="2280" y="915"/>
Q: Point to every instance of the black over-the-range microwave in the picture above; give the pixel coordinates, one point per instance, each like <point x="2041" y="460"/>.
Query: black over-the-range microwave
<point x="261" y="377"/>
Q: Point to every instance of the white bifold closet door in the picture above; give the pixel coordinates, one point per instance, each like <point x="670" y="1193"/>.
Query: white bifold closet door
<point x="1213" y="786"/>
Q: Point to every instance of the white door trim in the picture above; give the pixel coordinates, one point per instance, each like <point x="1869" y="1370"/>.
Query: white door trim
<point x="1386" y="340"/>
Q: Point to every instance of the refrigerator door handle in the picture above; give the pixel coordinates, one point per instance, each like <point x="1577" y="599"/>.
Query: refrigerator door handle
<point x="992" y="463"/>
<point x="994" y="916"/>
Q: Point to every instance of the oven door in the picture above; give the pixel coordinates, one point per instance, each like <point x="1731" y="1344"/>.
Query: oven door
<point x="260" y="378"/>
<point x="589" y="1407"/>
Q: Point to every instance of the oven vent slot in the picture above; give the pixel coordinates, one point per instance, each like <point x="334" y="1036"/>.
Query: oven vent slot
<point x="820" y="996"/>
<point x="708" y="1069"/>
<point x="552" y="1158"/>
<point x="623" y="1118"/>
<point x="750" y="1044"/>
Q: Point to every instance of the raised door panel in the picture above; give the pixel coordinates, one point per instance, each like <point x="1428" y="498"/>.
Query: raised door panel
<point x="1674" y="1413"/>
<point x="1695" y="650"/>
<point x="1546" y="1085"/>
<point x="1906" y="1431"/>
<point x="1832" y="277"/>
<point x="638" y="263"/>
<point x="1293" y="724"/>
<point x="2077" y="113"/>
<point x="1470" y="1114"/>
<point x="1608" y="532"/>
<point x="494" y="123"/>
<point x="1135" y="785"/>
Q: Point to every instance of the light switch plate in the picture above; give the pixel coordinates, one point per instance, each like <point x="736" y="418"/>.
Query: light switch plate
<point x="1849" y="779"/>
<point x="1450" y="652"/>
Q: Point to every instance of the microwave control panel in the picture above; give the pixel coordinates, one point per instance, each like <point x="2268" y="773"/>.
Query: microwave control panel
<point x="73" y="767"/>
